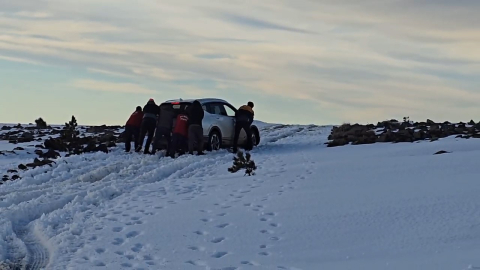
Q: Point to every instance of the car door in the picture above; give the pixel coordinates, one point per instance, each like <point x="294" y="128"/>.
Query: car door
<point x="225" y="122"/>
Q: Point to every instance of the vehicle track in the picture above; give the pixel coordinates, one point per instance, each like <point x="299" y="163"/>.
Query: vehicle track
<point x="37" y="256"/>
<point x="60" y="189"/>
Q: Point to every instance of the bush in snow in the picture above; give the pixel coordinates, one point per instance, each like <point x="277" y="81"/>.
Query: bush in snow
<point x="70" y="131"/>
<point x="243" y="162"/>
<point x="41" y="123"/>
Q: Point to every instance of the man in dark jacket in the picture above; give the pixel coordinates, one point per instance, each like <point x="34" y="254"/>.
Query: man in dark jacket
<point x="195" y="129"/>
<point x="243" y="120"/>
<point x="164" y="127"/>
<point x="132" y="128"/>
<point x="149" y="122"/>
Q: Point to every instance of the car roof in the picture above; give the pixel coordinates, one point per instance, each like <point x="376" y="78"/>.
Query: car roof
<point x="201" y="100"/>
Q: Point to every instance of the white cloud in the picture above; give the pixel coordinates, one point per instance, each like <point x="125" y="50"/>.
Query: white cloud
<point x="358" y="58"/>
<point x="104" y="86"/>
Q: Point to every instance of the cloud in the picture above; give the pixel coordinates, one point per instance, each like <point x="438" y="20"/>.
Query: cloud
<point x="19" y="60"/>
<point x="258" y="23"/>
<point x="354" y="58"/>
<point x="105" y="86"/>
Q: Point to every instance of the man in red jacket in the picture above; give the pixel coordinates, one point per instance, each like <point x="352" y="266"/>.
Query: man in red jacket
<point x="132" y="129"/>
<point x="179" y="136"/>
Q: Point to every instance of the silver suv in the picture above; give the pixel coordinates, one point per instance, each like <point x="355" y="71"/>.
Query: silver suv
<point x="218" y="123"/>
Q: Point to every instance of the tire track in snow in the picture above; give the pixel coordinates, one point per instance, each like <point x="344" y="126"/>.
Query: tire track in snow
<point x="95" y="183"/>
<point x="37" y="255"/>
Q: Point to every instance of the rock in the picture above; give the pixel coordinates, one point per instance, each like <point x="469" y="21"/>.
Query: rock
<point x="13" y="141"/>
<point x="418" y="135"/>
<point x="430" y="122"/>
<point x="39" y="146"/>
<point x="39" y="152"/>
<point x="22" y="167"/>
<point x="5" y="178"/>
<point x="441" y="152"/>
<point x="97" y="129"/>
<point x="19" y="149"/>
<point x="12" y="171"/>
<point x="18" y="126"/>
<point x="102" y="148"/>
<point x="6" y="128"/>
<point x="40" y="163"/>
<point x="55" y="144"/>
<point x="471" y="122"/>
<point x="15" y="177"/>
<point x="51" y="154"/>
<point x="111" y="144"/>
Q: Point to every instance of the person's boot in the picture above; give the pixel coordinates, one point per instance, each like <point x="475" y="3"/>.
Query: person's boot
<point x="200" y="154"/>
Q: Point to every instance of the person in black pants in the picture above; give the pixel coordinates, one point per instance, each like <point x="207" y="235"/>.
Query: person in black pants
<point x="195" y="128"/>
<point x="243" y="120"/>
<point x="149" y="122"/>
<point x="132" y="128"/>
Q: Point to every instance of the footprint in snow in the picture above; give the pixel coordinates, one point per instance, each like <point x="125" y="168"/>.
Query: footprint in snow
<point x="99" y="263"/>
<point x="117" y="229"/>
<point x="200" y="232"/>
<point x="196" y="263"/>
<point x="128" y="265"/>
<point x="132" y="234"/>
<point x="100" y="250"/>
<point x="137" y="248"/>
<point x="117" y="241"/>
<point x="218" y="240"/>
<point x="264" y="253"/>
<point x="194" y="248"/>
<point x="206" y="219"/>
<point x="221" y="226"/>
<point x="250" y="263"/>
<point x="219" y="254"/>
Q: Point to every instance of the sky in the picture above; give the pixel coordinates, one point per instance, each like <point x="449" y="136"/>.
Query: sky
<point x="299" y="61"/>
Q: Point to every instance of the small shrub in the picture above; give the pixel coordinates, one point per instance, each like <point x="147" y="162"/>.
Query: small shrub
<point x="243" y="162"/>
<point x="70" y="131"/>
<point x="41" y="123"/>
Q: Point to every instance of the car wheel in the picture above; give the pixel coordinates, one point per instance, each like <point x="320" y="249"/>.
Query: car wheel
<point x="255" y="137"/>
<point x="214" y="141"/>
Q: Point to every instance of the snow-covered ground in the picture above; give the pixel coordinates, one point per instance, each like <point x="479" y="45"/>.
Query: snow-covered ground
<point x="381" y="206"/>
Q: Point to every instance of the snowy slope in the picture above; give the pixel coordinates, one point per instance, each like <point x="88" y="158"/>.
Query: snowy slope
<point x="381" y="206"/>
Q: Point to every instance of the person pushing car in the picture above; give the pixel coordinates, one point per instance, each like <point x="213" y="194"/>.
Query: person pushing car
<point x="243" y="120"/>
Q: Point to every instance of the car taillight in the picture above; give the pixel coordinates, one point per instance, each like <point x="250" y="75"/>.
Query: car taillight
<point x="175" y="103"/>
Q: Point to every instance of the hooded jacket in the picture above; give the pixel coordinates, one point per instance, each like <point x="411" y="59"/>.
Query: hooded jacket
<point x="195" y="113"/>
<point x="245" y="114"/>
<point x="150" y="110"/>
<point x="135" y="119"/>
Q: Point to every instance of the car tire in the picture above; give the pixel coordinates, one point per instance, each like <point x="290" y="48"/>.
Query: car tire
<point x="255" y="137"/>
<point x="214" y="141"/>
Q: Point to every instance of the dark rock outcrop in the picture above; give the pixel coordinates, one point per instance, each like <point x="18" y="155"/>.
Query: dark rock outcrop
<point x="395" y="131"/>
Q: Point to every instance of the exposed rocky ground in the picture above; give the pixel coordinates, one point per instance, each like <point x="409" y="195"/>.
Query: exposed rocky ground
<point x="49" y="143"/>
<point x="396" y="131"/>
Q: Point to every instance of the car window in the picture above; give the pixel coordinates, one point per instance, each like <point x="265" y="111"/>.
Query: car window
<point x="229" y="111"/>
<point x="217" y="108"/>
